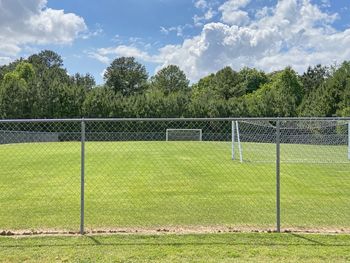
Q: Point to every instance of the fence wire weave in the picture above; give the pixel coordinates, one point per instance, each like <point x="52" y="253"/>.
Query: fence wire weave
<point x="177" y="174"/>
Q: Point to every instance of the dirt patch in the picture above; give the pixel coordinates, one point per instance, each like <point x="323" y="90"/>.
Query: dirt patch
<point x="169" y="230"/>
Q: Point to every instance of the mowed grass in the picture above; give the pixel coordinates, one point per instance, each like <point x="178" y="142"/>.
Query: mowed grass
<point x="150" y="185"/>
<point x="240" y="247"/>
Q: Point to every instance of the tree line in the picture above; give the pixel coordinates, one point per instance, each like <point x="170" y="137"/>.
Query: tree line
<point x="40" y="87"/>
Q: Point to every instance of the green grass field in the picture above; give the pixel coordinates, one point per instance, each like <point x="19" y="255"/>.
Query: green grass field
<point x="174" y="185"/>
<point x="240" y="247"/>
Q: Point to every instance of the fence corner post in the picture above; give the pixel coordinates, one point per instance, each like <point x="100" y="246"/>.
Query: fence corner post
<point x="82" y="179"/>
<point x="278" y="170"/>
<point x="349" y="140"/>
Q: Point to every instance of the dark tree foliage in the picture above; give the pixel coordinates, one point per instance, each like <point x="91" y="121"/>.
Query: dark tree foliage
<point x="127" y="76"/>
<point x="40" y="87"/>
<point x="47" y="59"/>
<point x="86" y="81"/>
<point x="314" y="77"/>
<point x="252" y="79"/>
<point x="226" y="84"/>
<point x="170" y="79"/>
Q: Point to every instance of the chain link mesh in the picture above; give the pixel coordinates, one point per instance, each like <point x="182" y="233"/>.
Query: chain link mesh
<point x="136" y="178"/>
<point x="39" y="176"/>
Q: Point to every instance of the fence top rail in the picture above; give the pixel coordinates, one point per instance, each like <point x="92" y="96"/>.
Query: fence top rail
<point x="179" y="119"/>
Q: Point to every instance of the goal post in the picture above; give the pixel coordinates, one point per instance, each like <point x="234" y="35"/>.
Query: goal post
<point x="233" y="140"/>
<point x="184" y="135"/>
<point x="235" y="133"/>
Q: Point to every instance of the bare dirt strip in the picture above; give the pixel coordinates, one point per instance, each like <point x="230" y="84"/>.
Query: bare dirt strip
<point x="171" y="230"/>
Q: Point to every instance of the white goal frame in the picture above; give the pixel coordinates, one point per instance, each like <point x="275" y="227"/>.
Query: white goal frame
<point x="234" y="130"/>
<point x="167" y="132"/>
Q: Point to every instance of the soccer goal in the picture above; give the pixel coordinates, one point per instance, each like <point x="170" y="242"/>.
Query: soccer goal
<point x="184" y="135"/>
<point x="235" y="133"/>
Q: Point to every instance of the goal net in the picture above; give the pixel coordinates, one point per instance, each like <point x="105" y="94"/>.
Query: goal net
<point x="184" y="135"/>
<point x="301" y="141"/>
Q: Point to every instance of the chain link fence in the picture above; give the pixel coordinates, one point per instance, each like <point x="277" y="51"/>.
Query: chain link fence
<point x="198" y="175"/>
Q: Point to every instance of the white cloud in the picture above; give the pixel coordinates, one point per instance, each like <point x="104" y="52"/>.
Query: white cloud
<point x="164" y="30"/>
<point x="5" y="60"/>
<point x="265" y="11"/>
<point x="208" y="15"/>
<point x="103" y="59"/>
<point x="293" y="33"/>
<point x="179" y="30"/>
<point x="201" y="4"/>
<point x="326" y="3"/>
<point x="105" y="54"/>
<point x="31" y="22"/>
<point x="238" y="17"/>
<point x="232" y="13"/>
<point x="234" y="4"/>
<point x="93" y="33"/>
<point x="102" y="74"/>
<point x="296" y="33"/>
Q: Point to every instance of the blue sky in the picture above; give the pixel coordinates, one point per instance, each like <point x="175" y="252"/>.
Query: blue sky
<point x="200" y="36"/>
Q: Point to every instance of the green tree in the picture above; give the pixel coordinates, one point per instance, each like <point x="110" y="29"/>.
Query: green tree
<point x="331" y="98"/>
<point x="14" y="96"/>
<point x="280" y="97"/>
<point x="226" y="84"/>
<point x="100" y="102"/>
<point x="9" y="67"/>
<point x="261" y="103"/>
<point x="46" y="59"/>
<point x="288" y="91"/>
<point x="314" y="77"/>
<point x="170" y="79"/>
<point x="206" y="101"/>
<point x="127" y="76"/>
<point x="87" y="82"/>
<point x="251" y="79"/>
<point x="55" y="93"/>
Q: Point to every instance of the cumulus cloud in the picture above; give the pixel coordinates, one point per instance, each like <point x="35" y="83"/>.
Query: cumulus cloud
<point x="103" y="59"/>
<point x="178" y="29"/>
<point x="292" y="33"/>
<point x="238" y="17"/>
<point x="104" y="55"/>
<point x="295" y="32"/>
<point x="208" y="15"/>
<point x="201" y="4"/>
<point x="4" y="60"/>
<point x="32" y="22"/>
<point x="232" y="13"/>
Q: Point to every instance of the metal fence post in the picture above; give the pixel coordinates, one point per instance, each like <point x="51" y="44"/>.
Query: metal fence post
<point x="82" y="182"/>
<point x="348" y="140"/>
<point x="278" y="193"/>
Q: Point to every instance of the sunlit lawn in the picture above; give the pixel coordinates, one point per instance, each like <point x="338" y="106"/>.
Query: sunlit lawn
<point x="171" y="184"/>
<point x="242" y="247"/>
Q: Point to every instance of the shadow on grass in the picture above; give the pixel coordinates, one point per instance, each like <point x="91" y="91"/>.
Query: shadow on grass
<point x="315" y="242"/>
<point x="96" y="241"/>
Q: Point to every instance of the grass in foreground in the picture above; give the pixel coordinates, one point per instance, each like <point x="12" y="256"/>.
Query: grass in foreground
<point x="165" y="184"/>
<point x="240" y="247"/>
